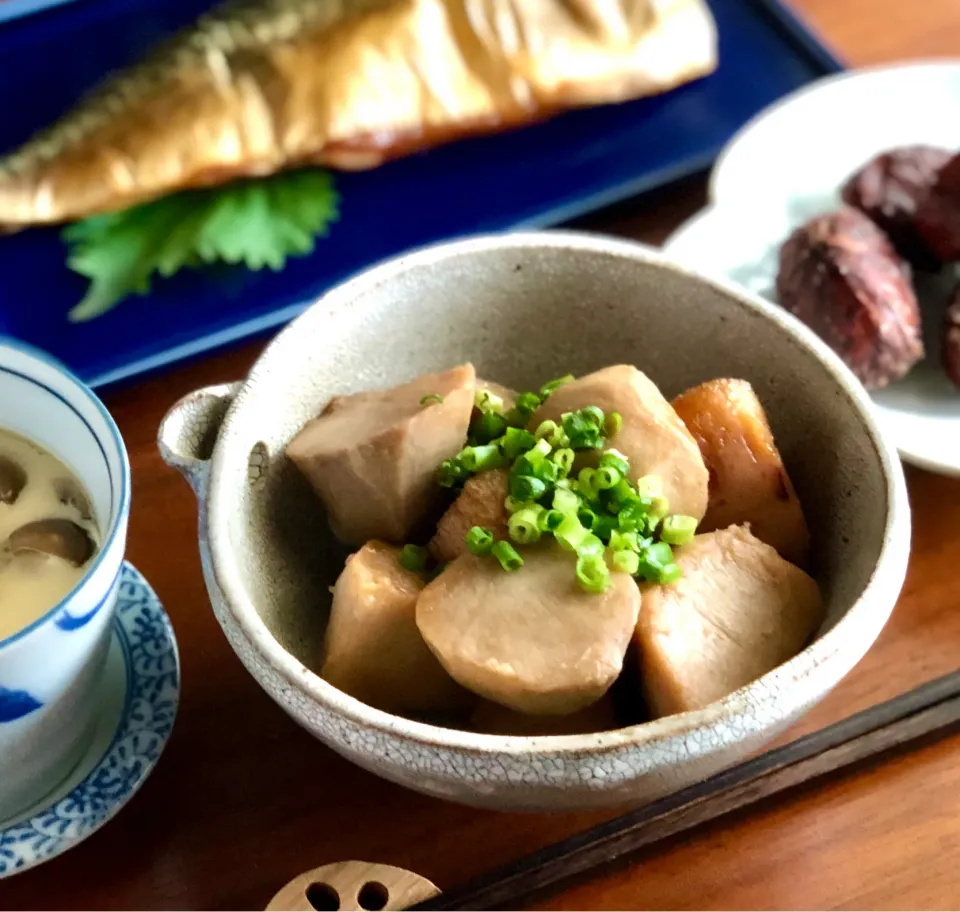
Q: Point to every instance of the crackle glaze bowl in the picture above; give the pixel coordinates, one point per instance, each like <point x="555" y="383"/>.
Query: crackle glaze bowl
<point x="524" y="307"/>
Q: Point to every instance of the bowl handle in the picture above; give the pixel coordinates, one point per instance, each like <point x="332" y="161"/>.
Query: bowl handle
<point x="189" y="431"/>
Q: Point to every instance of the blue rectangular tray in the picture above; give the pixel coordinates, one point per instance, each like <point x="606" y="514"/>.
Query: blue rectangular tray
<point x="534" y="177"/>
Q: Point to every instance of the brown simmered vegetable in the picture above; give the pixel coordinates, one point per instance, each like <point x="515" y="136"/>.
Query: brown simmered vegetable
<point x="748" y="480"/>
<point x="61" y="538"/>
<point x="951" y="340"/>
<point x="372" y="649"/>
<point x="13" y="479"/>
<point x="738" y="612"/>
<point x="841" y="276"/>
<point x="938" y="216"/>
<point x="372" y="457"/>
<point x="70" y="494"/>
<point x="890" y="188"/>
<point x="480" y="503"/>
<point x="531" y="640"/>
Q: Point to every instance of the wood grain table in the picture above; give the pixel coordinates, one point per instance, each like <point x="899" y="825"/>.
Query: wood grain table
<point x="243" y="800"/>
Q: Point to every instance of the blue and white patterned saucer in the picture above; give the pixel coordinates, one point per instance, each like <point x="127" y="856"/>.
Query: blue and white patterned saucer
<point x="139" y="694"/>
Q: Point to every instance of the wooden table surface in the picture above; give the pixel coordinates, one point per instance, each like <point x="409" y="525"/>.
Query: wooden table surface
<point x="244" y="800"/>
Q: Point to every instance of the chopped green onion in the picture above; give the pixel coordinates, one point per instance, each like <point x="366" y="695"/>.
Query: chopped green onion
<point x="626" y="561"/>
<point x="624" y="541"/>
<point x="507" y="555"/>
<point x="479" y="540"/>
<point x="660" y="553"/>
<point x="480" y="458"/>
<point x="634" y="515"/>
<point x="451" y="473"/>
<point x="605" y="477"/>
<point x="430" y="398"/>
<point x="524" y="525"/>
<point x="592" y="573"/>
<point x="590" y="544"/>
<point x="611" y="427"/>
<point x="678" y="529"/>
<point x="570" y="534"/>
<point x="526" y="487"/>
<point x="604" y="526"/>
<point x="671" y="573"/>
<point x="594" y="415"/>
<point x="546" y="429"/>
<point x="615" y="460"/>
<point x="585" y="482"/>
<point x="565" y="501"/>
<point x="511" y="504"/>
<point x="563" y="459"/>
<point x="548" y="472"/>
<point x="548" y="520"/>
<point x="553" y="385"/>
<point x="517" y="441"/>
<point x="487" y="427"/>
<point x="527" y="402"/>
<point x="659" y="507"/>
<point x="586" y="516"/>
<point x="488" y="402"/>
<point x="413" y="558"/>
<point x="542" y="449"/>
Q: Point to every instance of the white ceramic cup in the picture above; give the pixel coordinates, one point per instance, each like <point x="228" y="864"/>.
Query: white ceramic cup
<point x="49" y="671"/>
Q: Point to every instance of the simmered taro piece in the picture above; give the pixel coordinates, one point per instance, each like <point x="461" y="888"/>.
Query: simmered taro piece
<point x="938" y="216"/>
<point x="13" y="479"/>
<point x="951" y="339"/>
<point x="890" y="188"/>
<point x="841" y="276"/>
<point x="61" y="538"/>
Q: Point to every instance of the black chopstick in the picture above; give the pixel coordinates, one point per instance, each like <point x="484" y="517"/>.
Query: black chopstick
<point x="916" y="717"/>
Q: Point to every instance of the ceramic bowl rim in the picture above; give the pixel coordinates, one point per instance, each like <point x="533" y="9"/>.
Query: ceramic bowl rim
<point x="37" y="355"/>
<point x="887" y="575"/>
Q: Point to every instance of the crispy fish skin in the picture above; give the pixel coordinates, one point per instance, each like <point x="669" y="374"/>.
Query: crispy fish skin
<point x="262" y="85"/>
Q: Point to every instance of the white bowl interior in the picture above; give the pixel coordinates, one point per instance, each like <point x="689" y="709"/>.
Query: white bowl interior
<point x="524" y="311"/>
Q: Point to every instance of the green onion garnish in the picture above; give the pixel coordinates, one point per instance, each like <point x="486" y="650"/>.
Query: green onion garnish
<point x="517" y="441"/>
<point x="565" y="501"/>
<point x="511" y="504"/>
<point x="678" y="529"/>
<point x="480" y="458"/>
<point x="592" y="573"/>
<point x="624" y="541"/>
<point x="548" y="520"/>
<point x="604" y="526"/>
<point x="524" y="525"/>
<point x="626" y="561"/>
<point x="548" y="388"/>
<point x="451" y="473"/>
<point x="611" y="427"/>
<point x="605" y="477"/>
<point x="563" y="460"/>
<point x="413" y="558"/>
<point x="671" y="573"/>
<point x="479" y="540"/>
<point x="488" y="402"/>
<point x="527" y="402"/>
<point x="488" y="426"/>
<point x="526" y="487"/>
<point x="594" y="416"/>
<point x="649" y="486"/>
<point x="570" y="534"/>
<point x="430" y="398"/>
<point x="546" y="430"/>
<point x="615" y="460"/>
<point x="586" y="516"/>
<point x="507" y="555"/>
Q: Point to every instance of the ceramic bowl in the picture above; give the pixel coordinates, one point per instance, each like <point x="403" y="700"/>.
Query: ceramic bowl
<point x="522" y="308"/>
<point x="49" y="670"/>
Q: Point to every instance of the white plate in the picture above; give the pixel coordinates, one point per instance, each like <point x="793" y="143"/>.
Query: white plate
<point x="787" y="165"/>
<point x="139" y="694"/>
